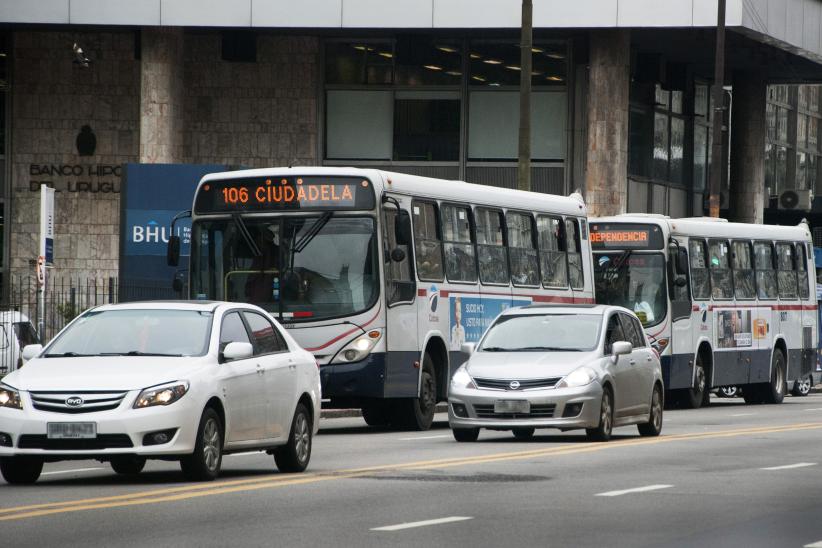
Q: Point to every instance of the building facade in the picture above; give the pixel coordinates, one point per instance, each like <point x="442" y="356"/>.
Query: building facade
<point x="621" y="104"/>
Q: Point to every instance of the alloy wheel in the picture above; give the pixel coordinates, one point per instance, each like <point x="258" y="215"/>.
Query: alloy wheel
<point x="302" y="438"/>
<point x="211" y="444"/>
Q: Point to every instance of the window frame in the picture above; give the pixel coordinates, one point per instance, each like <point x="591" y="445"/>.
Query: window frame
<point x="752" y="258"/>
<point x="578" y="241"/>
<point x="277" y="335"/>
<point x="438" y="234"/>
<point x="804" y="261"/>
<point x="504" y="245"/>
<point x="628" y="327"/>
<point x="472" y="234"/>
<point x="711" y="269"/>
<point x="706" y="268"/>
<point x="534" y="246"/>
<point x="563" y="243"/>
<point x="772" y="269"/>
<point x="226" y="314"/>
<point x="792" y="247"/>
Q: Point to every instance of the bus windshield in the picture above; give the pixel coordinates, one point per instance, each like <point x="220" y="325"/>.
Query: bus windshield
<point x="633" y="280"/>
<point x="300" y="268"/>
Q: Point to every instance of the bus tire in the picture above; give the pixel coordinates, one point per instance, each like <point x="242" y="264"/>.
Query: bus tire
<point x="418" y="413"/>
<point x="774" y="391"/>
<point x="694" y="397"/>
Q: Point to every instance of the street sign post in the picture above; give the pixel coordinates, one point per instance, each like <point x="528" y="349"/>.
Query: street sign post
<point x="46" y="252"/>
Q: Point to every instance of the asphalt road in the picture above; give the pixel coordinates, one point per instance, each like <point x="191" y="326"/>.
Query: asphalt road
<point x="728" y="475"/>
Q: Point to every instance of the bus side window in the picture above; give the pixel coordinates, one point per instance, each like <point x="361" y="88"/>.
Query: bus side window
<point x="802" y="271"/>
<point x="522" y="250"/>
<point x="765" y="274"/>
<point x="721" y="282"/>
<point x="491" y="251"/>
<point x="742" y="264"/>
<point x="700" y="280"/>
<point x="399" y="274"/>
<point x="460" y="260"/>
<point x="427" y="243"/>
<point x="575" y="274"/>
<point x="786" y="271"/>
<point x="552" y="252"/>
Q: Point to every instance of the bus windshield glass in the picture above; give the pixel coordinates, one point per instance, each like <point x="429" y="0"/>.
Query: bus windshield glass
<point x="633" y="280"/>
<point x="298" y="268"/>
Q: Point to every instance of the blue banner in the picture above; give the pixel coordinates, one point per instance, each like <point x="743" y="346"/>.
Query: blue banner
<point x="471" y="316"/>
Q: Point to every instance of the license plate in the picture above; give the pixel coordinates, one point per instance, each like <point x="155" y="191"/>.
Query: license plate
<point x="512" y="406"/>
<point x="71" y="430"/>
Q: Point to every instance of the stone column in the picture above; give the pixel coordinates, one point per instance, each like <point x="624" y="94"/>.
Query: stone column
<point x="747" y="182"/>
<point x="161" y="95"/>
<point x="606" y="177"/>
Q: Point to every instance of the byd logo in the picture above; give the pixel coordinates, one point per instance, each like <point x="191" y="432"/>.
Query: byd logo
<point x="74" y="401"/>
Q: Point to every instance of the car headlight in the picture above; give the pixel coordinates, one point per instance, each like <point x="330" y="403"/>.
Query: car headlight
<point x="578" y="377"/>
<point x="359" y="348"/>
<point x="462" y="379"/>
<point x="9" y="397"/>
<point x="165" y="394"/>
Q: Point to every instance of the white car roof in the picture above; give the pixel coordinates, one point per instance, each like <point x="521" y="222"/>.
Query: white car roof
<point x="586" y="309"/>
<point x="209" y="306"/>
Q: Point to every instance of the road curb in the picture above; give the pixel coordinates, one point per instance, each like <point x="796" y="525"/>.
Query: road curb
<point x="343" y="413"/>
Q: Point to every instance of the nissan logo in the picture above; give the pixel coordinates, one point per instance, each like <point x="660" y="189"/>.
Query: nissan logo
<point x="74" y="401"/>
<point x="514" y="385"/>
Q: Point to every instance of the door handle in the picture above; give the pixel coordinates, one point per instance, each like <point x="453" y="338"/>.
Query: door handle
<point x="292" y="366"/>
<point x="260" y="370"/>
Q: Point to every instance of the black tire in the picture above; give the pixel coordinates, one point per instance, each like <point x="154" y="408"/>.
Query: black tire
<point x="128" y="465"/>
<point x="802" y="387"/>
<point x="204" y="463"/>
<point x="465" y="434"/>
<point x="294" y="455"/>
<point x="698" y="395"/>
<point x="375" y="414"/>
<point x="654" y="425"/>
<point x="21" y="470"/>
<point x="523" y="433"/>
<point x="418" y="413"/>
<point x="774" y="391"/>
<point x="602" y="432"/>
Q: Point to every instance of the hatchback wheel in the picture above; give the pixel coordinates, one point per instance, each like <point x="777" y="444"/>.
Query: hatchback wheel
<point x="523" y="433"/>
<point x="21" y="470"/>
<point x="294" y="455"/>
<point x="802" y="387"/>
<point x="465" y="434"/>
<point x="654" y="425"/>
<point x="128" y="465"/>
<point x="204" y="463"/>
<point x="602" y="432"/>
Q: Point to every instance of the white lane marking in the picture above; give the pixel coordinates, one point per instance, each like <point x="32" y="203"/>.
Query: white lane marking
<point x="56" y="472"/>
<point x="634" y="490"/>
<point x="743" y="414"/>
<point x="425" y="523"/>
<point x="817" y="544"/>
<point x="814" y="409"/>
<point x="790" y="466"/>
<point x="425" y="437"/>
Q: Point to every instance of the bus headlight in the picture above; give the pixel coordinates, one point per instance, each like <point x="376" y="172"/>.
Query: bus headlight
<point x="359" y="348"/>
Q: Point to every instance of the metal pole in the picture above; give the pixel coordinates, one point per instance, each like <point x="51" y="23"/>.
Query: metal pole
<point x="719" y="102"/>
<point x="526" y="43"/>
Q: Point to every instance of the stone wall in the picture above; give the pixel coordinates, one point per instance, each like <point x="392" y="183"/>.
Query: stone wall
<point x="52" y="99"/>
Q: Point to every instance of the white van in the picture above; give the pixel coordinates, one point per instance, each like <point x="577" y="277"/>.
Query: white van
<point x="16" y="331"/>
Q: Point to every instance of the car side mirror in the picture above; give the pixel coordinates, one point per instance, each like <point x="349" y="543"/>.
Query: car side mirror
<point x="402" y="227"/>
<point x="173" y="251"/>
<point x="397" y="255"/>
<point x="30" y="351"/>
<point x="237" y="351"/>
<point x="468" y="348"/>
<point x="620" y="348"/>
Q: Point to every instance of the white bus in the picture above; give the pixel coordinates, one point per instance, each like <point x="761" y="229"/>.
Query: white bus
<point x="383" y="275"/>
<point x="725" y="304"/>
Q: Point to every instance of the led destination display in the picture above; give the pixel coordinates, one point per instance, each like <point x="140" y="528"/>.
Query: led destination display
<point x="625" y="236"/>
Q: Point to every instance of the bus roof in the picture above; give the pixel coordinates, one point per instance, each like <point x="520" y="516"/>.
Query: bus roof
<point x="710" y="227"/>
<point x="427" y="187"/>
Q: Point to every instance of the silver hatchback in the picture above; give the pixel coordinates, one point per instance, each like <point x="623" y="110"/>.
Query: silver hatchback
<point x="566" y="367"/>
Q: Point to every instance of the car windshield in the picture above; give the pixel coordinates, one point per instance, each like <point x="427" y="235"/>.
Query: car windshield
<point x="304" y="268"/>
<point x="135" y="333"/>
<point x="543" y="333"/>
<point x="633" y="280"/>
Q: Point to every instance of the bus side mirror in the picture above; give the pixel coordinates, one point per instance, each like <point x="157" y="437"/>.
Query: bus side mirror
<point x="680" y="281"/>
<point x="173" y="251"/>
<point x="397" y="255"/>
<point x="402" y="227"/>
<point x="682" y="262"/>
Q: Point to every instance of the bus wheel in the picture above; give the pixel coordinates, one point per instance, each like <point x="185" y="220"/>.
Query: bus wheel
<point x="774" y="391"/>
<point x="418" y="413"/>
<point x="695" y="396"/>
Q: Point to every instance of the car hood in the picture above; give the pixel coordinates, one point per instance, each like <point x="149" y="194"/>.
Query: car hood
<point x="101" y="373"/>
<point x="526" y="365"/>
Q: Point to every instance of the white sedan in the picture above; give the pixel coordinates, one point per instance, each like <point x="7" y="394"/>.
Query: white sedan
<point x="185" y="380"/>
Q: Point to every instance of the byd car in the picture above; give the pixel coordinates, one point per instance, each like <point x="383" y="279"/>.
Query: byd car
<point x="189" y="381"/>
<point x="566" y="367"/>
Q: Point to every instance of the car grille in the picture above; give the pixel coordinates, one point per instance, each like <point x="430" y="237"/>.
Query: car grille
<point x="538" y="411"/>
<point x="92" y="401"/>
<point x="102" y="441"/>
<point x="524" y="384"/>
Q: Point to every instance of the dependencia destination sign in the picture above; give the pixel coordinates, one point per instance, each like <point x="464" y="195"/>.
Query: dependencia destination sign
<point x="627" y="236"/>
<point x="284" y="193"/>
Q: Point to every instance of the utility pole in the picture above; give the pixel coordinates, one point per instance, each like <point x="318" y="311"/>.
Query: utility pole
<point x="719" y="103"/>
<point x="526" y="43"/>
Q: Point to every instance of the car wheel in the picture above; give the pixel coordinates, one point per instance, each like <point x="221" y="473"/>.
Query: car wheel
<point x="654" y="425"/>
<point x="128" y="465"/>
<point x="465" y="434"/>
<point x="21" y="470"/>
<point x="294" y="455"/>
<point x="523" y="433"/>
<point x="602" y="432"/>
<point x="204" y="463"/>
<point x="418" y="413"/>
<point x="774" y="392"/>
<point x="802" y="387"/>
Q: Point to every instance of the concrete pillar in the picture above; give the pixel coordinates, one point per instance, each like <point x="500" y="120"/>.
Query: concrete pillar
<point x="747" y="182"/>
<point x="161" y="95"/>
<point x="606" y="177"/>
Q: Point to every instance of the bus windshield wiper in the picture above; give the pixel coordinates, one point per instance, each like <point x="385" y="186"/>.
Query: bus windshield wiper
<point x="249" y="240"/>
<point x="312" y="231"/>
